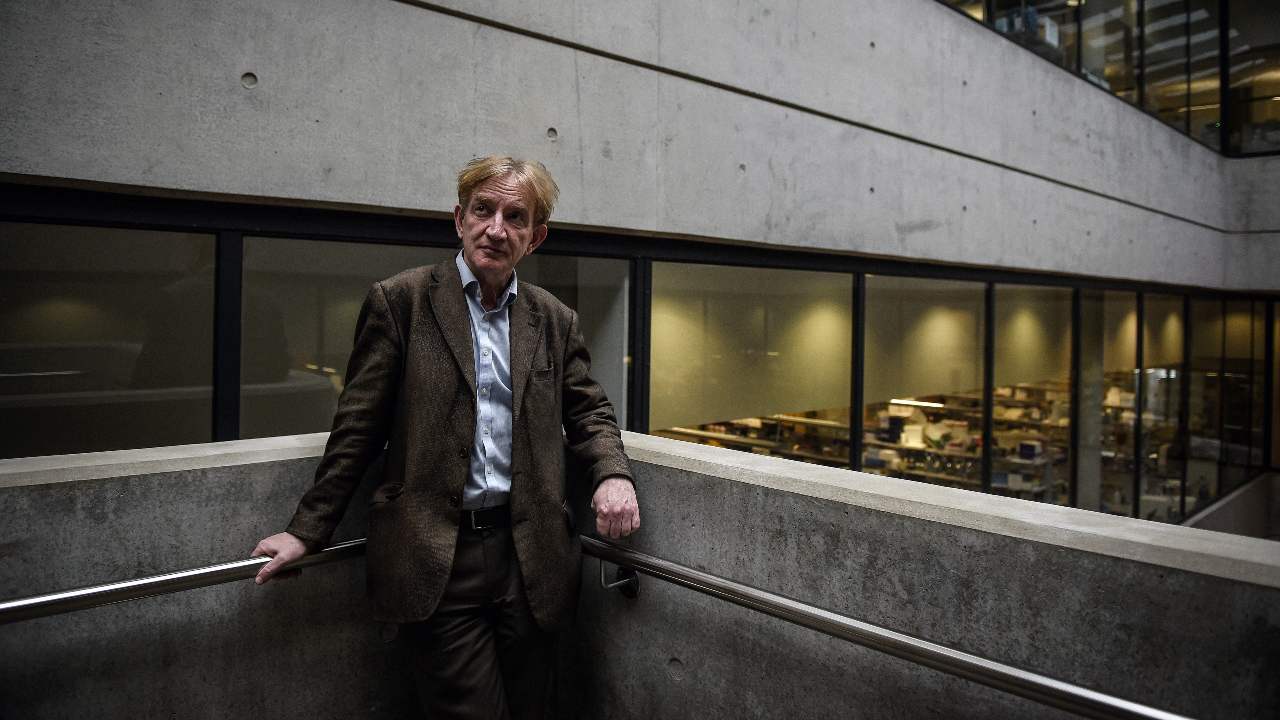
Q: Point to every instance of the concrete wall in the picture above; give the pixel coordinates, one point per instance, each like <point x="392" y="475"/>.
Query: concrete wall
<point x="1254" y="192"/>
<point x="1253" y="253"/>
<point x="300" y="649"/>
<point x="882" y="127"/>
<point x="1184" y="619"/>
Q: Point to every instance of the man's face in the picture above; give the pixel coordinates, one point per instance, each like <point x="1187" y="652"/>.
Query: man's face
<point x="497" y="229"/>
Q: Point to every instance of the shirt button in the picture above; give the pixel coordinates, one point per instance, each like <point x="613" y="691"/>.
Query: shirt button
<point x="484" y="353"/>
<point x="486" y="431"/>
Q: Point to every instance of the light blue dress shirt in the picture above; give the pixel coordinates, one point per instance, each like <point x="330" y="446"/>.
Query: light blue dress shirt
<point x="490" y="482"/>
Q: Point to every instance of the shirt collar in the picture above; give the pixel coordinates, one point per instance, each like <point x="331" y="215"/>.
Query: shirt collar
<point x="470" y="280"/>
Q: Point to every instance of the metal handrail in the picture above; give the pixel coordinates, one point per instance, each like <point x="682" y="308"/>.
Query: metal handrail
<point x="38" y="606"/>
<point x="1029" y="685"/>
<point x="1032" y="686"/>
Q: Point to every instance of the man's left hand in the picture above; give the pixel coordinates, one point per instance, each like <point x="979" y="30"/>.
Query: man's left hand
<point x="617" y="511"/>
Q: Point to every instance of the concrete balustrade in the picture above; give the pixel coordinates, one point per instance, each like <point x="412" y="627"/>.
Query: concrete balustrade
<point x="1184" y="619"/>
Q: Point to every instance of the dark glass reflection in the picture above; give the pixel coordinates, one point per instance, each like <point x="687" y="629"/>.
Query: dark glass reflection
<point x="1254" y="92"/>
<point x="1238" y="393"/>
<point x="1110" y="45"/>
<point x="1275" y="385"/>
<point x="1258" y="374"/>
<point x="1046" y="28"/>
<point x="106" y="339"/>
<point x="1204" y="109"/>
<point x="300" y="302"/>
<point x="1165" y="83"/>
<point x="302" y="298"/>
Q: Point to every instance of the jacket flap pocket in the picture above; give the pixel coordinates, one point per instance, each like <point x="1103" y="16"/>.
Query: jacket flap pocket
<point x="388" y="491"/>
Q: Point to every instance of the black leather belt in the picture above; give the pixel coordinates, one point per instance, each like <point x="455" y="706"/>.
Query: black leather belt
<point x="486" y="518"/>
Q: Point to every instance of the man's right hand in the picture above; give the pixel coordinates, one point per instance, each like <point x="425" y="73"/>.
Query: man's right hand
<point x="283" y="549"/>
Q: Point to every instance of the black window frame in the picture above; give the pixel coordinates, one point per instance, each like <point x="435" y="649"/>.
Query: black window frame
<point x="232" y="221"/>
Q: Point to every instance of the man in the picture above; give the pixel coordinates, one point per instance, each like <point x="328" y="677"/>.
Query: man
<point x="467" y="377"/>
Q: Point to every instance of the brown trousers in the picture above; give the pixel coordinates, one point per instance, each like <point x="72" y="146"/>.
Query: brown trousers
<point x="481" y="655"/>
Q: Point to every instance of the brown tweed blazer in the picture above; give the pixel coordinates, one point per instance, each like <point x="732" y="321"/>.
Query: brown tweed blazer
<point x="410" y="387"/>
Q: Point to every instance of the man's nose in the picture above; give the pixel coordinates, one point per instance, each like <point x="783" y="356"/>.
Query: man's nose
<point x="497" y="228"/>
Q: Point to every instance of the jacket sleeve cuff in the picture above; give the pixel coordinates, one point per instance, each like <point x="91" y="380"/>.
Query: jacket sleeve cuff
<point x="315" y="538"/>
<point x="603" y="472"/>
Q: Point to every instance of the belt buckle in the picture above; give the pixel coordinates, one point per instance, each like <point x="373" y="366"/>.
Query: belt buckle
<point x="474" y="525"/>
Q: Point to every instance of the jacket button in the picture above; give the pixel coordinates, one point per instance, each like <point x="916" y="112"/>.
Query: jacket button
<point x="462" y="453"/>
<point x="453" y="501"/>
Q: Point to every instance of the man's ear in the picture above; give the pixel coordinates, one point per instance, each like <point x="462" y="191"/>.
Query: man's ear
<point x="539" y="234"/>
<point x="457" y="220"/>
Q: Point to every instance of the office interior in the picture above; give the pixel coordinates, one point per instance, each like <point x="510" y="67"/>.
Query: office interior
<point x="1128" y="398"/>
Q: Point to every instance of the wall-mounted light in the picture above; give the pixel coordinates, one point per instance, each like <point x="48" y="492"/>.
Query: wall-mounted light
<point x="1075" y="3"/>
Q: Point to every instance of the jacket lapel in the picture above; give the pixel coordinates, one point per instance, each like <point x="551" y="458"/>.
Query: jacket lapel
<point x="450" y="308"/>
<point x="526" y="332"/>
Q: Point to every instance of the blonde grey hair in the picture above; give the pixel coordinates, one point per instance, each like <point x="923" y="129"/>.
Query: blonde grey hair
<point x="532" y="177"/>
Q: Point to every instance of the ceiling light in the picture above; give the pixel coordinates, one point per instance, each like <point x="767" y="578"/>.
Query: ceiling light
<point x="917" y="403"/>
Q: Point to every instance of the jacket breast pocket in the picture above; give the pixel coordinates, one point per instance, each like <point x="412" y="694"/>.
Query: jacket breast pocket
<point x="546" y="374"/>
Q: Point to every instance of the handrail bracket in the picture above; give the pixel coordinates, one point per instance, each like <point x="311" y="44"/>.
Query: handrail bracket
<point x="625" y="581"/>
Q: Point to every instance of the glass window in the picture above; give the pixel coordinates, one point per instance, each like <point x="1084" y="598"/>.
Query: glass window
<point x="1204" y="101"/>
<point x="302" y="298"/>
<point x="598" y="289"/>
<point x="300" y="302"/>
<point x="1237" y="390"/>
<point x="1108" y="384"/>
<point x="975" y="9"/>
<point x="98" y="325"/>
<point x="1275" y="385"/>
<point x="1109" y="52"/>
<point x="1257" y="378"/>
<point x="1162" y="442"/>
<point x="1165" y="84"/>
<point x="922" y="381"/>
<point x="1254" y="76"/>
<point x="1047" y="28"/>
<point x="1031" y="399"/>
<point x="1204" y="415"/>
<point x="753" y="359"/>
